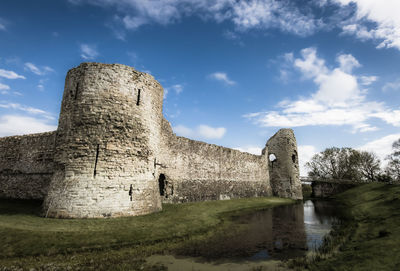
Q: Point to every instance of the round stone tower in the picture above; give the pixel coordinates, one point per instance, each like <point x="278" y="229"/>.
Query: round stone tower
<point x="106" y="144"/>
<point x="284" y="165"/>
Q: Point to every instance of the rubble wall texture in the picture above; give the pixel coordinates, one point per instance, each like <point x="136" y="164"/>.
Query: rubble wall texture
<point x="107" y="140"/>
<point x="284" y="171"/>
<point x="197" y="171"/>
<point x="26" y="165"/>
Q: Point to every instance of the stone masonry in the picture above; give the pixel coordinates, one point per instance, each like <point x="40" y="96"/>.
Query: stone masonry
<point x="114" y="154"/>
<point x="284" y="165"/>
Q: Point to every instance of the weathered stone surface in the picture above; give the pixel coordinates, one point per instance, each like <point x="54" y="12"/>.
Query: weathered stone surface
<point x="199" y="171"/>
<point x="26" y="165"/>
<point x="114" y="154"/>
<point x="284" y="165"/>
<point x="107" y="140"/>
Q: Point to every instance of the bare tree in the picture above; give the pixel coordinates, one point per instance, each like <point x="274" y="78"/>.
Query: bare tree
<point x="335" y="163"/>
<point x="369" y="166"/>
<point x="393" y="167"/>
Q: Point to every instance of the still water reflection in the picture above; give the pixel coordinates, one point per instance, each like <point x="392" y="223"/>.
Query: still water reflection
<point x="280" y="233"/>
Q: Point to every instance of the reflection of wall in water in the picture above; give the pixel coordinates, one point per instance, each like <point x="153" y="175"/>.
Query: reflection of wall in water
<point x="288" y="227"/>
<point x="271" y="230"/>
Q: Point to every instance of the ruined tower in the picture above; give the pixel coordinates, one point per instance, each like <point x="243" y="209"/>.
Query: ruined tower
<point x="106" y="144"/>
<point x="284" y="165"/>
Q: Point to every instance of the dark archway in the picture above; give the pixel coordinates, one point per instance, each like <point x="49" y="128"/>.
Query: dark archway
<point x="161" y="184"/>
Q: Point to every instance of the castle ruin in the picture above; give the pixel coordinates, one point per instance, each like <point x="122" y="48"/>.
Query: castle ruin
<point x="114" y="154"/>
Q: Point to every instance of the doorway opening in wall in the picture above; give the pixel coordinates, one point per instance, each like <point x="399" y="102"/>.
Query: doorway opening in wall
<point x="161" y="184"/>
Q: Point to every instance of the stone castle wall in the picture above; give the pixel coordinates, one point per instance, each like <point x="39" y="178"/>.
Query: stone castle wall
<point x="114" y="154"/>
<point x="26" y="165"/>
<point x="107" y="140"/>
<point x="197" y="171"/>
<point x="284" y="170"/>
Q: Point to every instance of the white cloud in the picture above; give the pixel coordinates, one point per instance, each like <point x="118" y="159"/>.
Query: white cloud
<point x="183" y="131"/>
<point x="3" y="24"/>
<point x="382" y="147"/>
<point x="347" y="63"/>
<point x="338" y="99"/>
<point x="19" y="125"/>
<point x="4" y="87"/>
<point x="306" y="152"/>
<point x="222" y="77"/>
<point x="88" y="52"/>
<point x="244" y="14"/>
<point x="391" y="86"/>
<point x="178" y="88"/>
<point x="201" y="131"/>
<point x="36" y="70"/>
<point x="211" y="132"/>
<point x="389" y="116"/>
<point x="250" y="149"/>
<point x="10" y="74"/>
<point x="368" y="80"/>
<point x="41" y="84"/>
<point x="27" y="109"/>
<point x="378" y="20"/>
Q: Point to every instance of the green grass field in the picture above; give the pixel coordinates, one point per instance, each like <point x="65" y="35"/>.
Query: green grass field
<point x="30" y="241"/>
<point x="371" y="239"/>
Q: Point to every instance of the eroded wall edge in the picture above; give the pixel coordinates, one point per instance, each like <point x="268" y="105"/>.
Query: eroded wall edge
<point x="26" y="165"/>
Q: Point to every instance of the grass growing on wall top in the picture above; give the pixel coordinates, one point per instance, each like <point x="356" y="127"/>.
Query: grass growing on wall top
<point x="25" y="235"/>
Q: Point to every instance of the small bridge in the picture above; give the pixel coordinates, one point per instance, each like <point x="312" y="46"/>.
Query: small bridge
<point x="306" y="180"/>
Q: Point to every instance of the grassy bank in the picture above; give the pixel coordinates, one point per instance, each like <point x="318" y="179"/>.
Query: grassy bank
<point x="371" y="239"/>
<point x="29" y="241"/>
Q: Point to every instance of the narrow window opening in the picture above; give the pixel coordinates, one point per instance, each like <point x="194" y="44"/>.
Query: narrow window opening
<point x="76" y="91"/>
<point x="95" y="162"/>
<point x="161" y="184"/>
<point x="294" y="158"/>
<point x="138" y="97"/>
<point x="130" y="192"/>
<point x="272" y="158"/>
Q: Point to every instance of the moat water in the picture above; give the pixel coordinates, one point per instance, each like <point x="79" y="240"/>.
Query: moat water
<point x="262" y="236"/>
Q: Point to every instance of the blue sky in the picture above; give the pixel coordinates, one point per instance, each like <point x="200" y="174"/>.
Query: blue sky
<point x="234" y="71"/>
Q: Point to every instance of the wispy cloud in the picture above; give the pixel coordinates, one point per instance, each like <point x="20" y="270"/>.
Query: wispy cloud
<point x="19" y="125"/>
<point x="200" y="132"/>
<point x="222" y="77"/>
<point x="177" y="88"/>
<point x="391" y="86"/>
<point x="10" y="74"/>
<point x="36" y="70"/>
<point x="306" y="152"/>
<point x="4" y="87"/>
<point x="339" y="100"/>
<point x="41" y="84"/>
<point x="368" y="80"/>
<point x="3" y="24"/>
<point x="88" y="52"/>
<point x="376" y="20"/>
<point x="249" y="149"/>
<point x="253" y="14"/>
<point x="382" y="147"/>
<point x="27" y="109"/>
